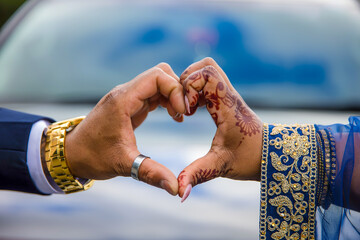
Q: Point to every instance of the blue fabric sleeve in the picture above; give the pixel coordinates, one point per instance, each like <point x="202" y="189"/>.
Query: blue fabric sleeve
<point x="340" y="219"/>
<point x="14" y="135"/>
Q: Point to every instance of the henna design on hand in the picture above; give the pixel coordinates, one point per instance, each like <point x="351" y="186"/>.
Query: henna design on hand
<point x="213" y="98"/>
<point x="195" y="76"/>
<point x="215" y="118"/>
<point x="229" y="99"/>
<point x="195" y="99"/>
<point x="203" y="176"/>
<point x="246" y="119"/>
<point x="181" y="178"/>
<point x="212" y="101"/>
<point x="184" y="75"/>
<point x="208" y="174"/>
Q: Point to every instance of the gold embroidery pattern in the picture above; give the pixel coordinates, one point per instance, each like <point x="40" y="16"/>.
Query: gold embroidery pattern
<point x="288" y="182"/>
<point x="263" y="194"/>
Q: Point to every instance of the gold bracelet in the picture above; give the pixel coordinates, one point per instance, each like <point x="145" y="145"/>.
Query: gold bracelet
<point x="333" y="165"/>
<point x="56" y="160"/>
<point x="321" y="189"/>
<point x="325" y="200"/>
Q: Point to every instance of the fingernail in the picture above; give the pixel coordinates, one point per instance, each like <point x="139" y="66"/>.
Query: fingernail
<point x="166" y="186"/>
<point x="186" y="193"/>
<point x="178" y="115"/>
<point x="187" y="105"/>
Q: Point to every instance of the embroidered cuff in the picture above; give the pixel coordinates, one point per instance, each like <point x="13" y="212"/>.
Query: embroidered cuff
<point x="326" y="167"/>
<point x="288" y="182"/>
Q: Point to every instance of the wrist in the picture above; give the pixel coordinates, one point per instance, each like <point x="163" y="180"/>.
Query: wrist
<point x="258" y="154"/>
<point x="56" y="159"/>
<point x="42" y="147"/>
<point x="46" y="172"/>
<point x="250" y="153"/>
<point x="71" y="154"/>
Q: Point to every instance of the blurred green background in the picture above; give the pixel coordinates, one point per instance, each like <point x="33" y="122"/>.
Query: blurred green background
<point x="8" y="7"/>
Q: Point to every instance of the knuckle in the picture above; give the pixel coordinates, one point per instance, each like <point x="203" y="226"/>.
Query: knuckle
<point x="185" y="83"/>
<point x="157" y="71"/>
<point x="183" y="76"/>
<point x="115" y="95"/>
<point x="109" y="97"/>
<point x="146" y="175"/>
<point x="209" y="61"/>
<point x="210" y="74"/>
<point x="164" y="66"/>
<point x="210" y="68"/>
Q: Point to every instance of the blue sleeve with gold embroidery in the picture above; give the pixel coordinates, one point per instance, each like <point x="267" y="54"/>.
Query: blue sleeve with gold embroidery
<point x="310" y="170"/>
<point x="288" y="182"/>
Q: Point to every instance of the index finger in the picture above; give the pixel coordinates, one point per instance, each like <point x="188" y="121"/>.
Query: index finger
<point x="155" y="81"/>
<point x="208" y="61"/>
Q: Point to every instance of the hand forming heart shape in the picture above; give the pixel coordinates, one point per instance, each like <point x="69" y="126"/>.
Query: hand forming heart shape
<point x="103" y="145"/>
<point x="236" y="148"/>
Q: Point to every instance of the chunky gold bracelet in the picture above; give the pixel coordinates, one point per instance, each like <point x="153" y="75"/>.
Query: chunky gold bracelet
<point x="56" y="159"/>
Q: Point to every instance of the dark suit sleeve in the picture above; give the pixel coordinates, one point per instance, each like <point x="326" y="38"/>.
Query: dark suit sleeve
<point x="15" y="128"/>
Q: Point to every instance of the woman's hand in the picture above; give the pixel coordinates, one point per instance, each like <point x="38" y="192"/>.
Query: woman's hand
<point x="103" y="145"/>
<point x="236" y="148"/>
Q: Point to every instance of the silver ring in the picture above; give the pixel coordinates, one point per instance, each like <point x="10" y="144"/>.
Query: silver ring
<point x="136" y="165"/>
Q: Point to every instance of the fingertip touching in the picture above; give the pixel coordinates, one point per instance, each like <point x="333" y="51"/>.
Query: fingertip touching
<point x="177" y="100"/>
<point x="194" y="85"/>
<point x="201" y="170"/>
<point x="184" y="179"/>
<point x="168" y="69"/>
<point x="186" y="193"/>
<point x="197" y="66"/>
<point x="171" y="89"/>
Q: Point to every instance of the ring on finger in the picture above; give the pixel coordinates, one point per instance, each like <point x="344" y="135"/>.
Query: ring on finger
<point x="136" y="165"/>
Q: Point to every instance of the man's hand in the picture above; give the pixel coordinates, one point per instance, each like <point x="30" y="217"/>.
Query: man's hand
<point x="103" y="145"/>
<point x="236" y="148"/>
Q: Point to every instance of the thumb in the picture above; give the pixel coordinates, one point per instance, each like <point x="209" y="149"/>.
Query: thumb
<point x="156" y="174"/>
<point x="202" y="170"/>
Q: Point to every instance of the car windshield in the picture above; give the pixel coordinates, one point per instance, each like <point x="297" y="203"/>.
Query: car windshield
<point x="298" y="54"/>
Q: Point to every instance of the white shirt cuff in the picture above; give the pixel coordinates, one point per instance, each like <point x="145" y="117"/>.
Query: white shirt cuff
<point x="34" y="158"/>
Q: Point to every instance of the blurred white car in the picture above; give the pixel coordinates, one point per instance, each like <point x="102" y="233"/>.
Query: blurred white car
<point x="294" y="61"/>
